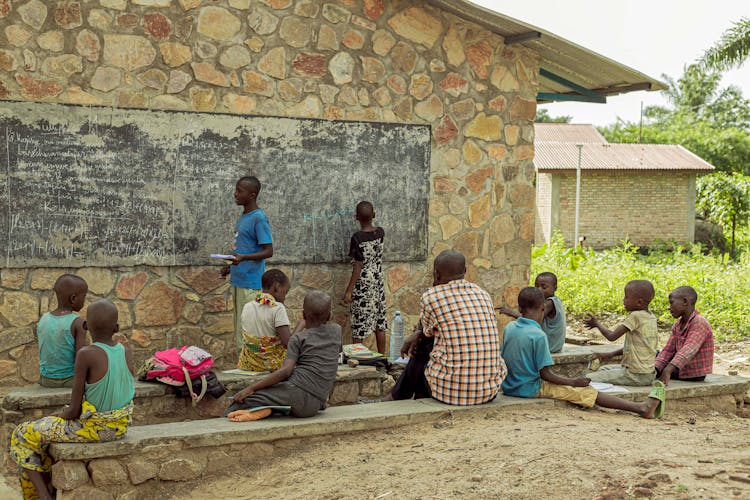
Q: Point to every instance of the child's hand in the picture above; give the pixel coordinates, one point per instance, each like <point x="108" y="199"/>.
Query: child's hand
<point x="237" y="259"/>
<point x="581" y="382"/>
<point x="224" y="271"/>
<point x="241" y="395"/>
<point x="347" y="298"/>
<point x="592" y="322"/>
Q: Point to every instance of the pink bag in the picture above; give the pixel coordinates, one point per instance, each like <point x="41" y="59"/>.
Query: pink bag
<point x="176" y="366"/>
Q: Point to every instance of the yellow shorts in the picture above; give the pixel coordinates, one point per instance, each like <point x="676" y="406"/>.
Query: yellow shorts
<point x="582" y="396"/>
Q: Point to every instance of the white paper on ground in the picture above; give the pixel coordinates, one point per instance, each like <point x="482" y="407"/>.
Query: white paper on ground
<point x="605" y="387"/>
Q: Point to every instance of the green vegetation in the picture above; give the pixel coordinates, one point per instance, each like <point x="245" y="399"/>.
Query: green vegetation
<point x="725" y="199"/>
<point x="592" y="282"/>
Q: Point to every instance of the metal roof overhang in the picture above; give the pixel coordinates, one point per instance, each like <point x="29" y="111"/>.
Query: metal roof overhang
<point x="568" y="71"/>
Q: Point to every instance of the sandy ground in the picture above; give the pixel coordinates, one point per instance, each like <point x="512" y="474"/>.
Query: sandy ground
<point x="558" y="452"/>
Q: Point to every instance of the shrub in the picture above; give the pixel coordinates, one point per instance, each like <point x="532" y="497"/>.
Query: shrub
<point x="592" y="282"/>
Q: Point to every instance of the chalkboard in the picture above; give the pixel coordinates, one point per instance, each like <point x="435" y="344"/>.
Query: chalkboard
<point x="96" y="186"/>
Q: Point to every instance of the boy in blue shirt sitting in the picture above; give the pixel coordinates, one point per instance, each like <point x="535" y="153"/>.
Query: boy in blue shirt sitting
<point x="526" y="354"/>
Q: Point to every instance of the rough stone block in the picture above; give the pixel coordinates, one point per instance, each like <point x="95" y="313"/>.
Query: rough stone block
<point x="141" y="471"/>
<point x="344" y="393"/>
<point x="107" y="471"/>
<point x="181" y="469"/>
<point x="370" y="388"/>
<point x="69" y="475"/>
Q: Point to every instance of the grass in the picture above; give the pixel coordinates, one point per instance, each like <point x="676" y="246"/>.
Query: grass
<point x="592" y="282"/>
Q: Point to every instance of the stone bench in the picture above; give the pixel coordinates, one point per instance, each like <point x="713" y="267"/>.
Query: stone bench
<point x="157" y="403"/>
<point x="574" y="360"/>
<point x="147" y="461"/>
<point x="150" y="458"/>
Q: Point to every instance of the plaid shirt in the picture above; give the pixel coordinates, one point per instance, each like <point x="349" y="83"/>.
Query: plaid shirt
<point x="690" y="348"/>
<point x="465" y="365"/>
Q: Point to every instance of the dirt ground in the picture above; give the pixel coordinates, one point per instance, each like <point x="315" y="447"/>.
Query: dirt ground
<point x="555" y="452"/>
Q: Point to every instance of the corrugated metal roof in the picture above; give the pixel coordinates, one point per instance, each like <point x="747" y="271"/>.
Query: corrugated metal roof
<point x="598" y="156"/>
<point x="566" y="132"/>
<point x="559" y="56"/>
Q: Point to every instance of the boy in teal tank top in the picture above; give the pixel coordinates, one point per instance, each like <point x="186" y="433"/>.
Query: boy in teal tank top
<point x="61" y="333"/>
<point x="100" y="407"/>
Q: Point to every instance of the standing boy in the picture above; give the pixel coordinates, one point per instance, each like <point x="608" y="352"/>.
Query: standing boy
<point x="252" y="246"/>
<point x="61" y="333"/>
<point x="101" y="404"/>
<point x="307" y="376"/>
<point x="641" y="339"/>
<point x="689" y="353"/>
<point x="553" y="323"/>
<point x="527" y="357"/>
<point x="366" y="291"/>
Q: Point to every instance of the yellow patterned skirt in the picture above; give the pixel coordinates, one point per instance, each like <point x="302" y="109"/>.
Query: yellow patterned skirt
<point x="260" y="354"/>
<point x="30" y="440"/>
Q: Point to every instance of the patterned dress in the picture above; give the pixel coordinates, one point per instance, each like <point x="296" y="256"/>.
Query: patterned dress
<point x="368" y="296"/>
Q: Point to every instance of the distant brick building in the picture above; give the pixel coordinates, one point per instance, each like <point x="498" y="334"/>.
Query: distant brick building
<point x="643" y="192"/>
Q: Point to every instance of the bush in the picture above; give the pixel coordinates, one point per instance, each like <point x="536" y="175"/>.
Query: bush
<point x="592" y="282"/>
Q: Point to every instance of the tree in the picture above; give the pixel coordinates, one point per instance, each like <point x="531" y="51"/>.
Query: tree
<point x="724" y="199"/>
<point x="543" y="116"/>
<point x="710" y="121"/>
<point x="732" y="50"/>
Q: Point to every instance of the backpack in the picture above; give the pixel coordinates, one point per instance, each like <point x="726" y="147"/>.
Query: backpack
<point x="176" y="366"/>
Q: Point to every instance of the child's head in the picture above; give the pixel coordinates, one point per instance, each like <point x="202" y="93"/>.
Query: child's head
<point x="276" y="283"/>
<point x="531" y="303"/>
<point x="246" y="190"/>
<point x="101" y="320"/>
<point x="365" y="212"/>
<point x="546" y="283"/>
<point x="638" y="295"/>
<point x="316" y="308"/>
<point x="682" y="301"/>
<point x="71" y="291"/>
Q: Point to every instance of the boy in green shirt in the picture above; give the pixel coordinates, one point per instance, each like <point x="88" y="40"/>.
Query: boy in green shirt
<point x="641" y="340"/>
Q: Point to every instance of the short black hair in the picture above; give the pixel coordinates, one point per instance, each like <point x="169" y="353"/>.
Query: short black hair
<point x="273" y="276"/>
<point x="550" y="276"/>
<point x="688" y="292"/>
<point x="530" y="298"/>
<point x="365" y="210"/>
<point x="643" y="289"/>
<point x="251" y="181"/>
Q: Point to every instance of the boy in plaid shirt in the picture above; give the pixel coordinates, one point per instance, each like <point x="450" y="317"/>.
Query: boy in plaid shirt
<point x="689" y="353"/>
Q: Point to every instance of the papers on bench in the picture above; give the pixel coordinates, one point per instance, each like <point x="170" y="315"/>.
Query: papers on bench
<point x="605" y="387"/>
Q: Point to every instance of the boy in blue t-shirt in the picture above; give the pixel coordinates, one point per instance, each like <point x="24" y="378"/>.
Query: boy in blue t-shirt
<point x="526" y="354"/>
<point x="61" y="333"/>
<point x="252" y="246"/>
<point x="553" y="323"/>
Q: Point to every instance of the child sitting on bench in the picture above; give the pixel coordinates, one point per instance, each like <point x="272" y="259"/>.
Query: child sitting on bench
<point x="265" y="325"/>
<point x="101" y="404"/>
<point x="306" y="378"/>
<point x="61" y="333"/>
<point x="527" y="357"/>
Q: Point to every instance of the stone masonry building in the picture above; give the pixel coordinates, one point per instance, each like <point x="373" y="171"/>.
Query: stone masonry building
<point x="473" y="75"/>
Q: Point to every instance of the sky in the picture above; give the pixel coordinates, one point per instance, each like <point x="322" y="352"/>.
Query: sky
<point x="654" y="37"/>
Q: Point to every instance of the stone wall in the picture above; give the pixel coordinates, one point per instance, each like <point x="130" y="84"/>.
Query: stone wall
<point x="645" y="207"/>
<point x="375" y="60"/>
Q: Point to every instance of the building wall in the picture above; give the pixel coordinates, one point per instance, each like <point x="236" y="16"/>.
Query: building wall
<point x="375" y="60"/>
<point x="642" y="206"/>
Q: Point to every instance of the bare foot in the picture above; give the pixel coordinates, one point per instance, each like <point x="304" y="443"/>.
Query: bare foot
<point x="649" y="407"/>
<point x="248" y="415"/>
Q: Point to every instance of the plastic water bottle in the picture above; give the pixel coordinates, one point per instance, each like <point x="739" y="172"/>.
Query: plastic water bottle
<point x="397" y="335"/>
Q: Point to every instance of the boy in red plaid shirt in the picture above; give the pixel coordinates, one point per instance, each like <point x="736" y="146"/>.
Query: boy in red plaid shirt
<point x="689" y="353"/>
